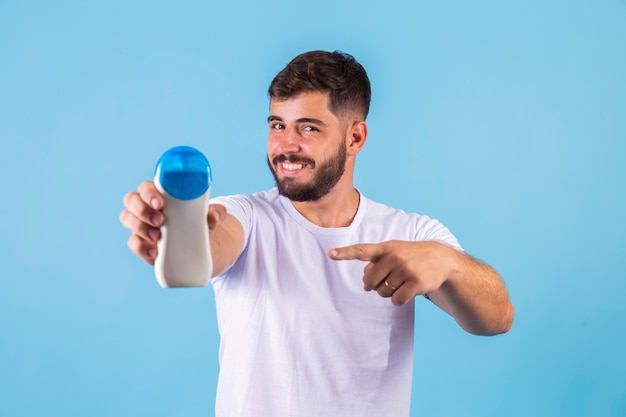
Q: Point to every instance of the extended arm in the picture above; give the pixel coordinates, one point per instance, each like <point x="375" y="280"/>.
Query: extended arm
<point x="475" y="295"/>
<point x="226" y="238"/>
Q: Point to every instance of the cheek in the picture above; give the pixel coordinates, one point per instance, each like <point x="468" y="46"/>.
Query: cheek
<point x="273" y="143"/>
<point x="271" y="147"/>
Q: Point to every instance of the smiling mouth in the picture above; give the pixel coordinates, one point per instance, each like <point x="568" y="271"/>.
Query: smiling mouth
<point x="292" y="162"/>
<point x="288" y="166"/>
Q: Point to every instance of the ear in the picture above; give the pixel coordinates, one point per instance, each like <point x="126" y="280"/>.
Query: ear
<point x="355" y="137"/>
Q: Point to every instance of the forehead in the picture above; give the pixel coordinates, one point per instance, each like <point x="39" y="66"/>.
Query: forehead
<point x="304" y="105"/>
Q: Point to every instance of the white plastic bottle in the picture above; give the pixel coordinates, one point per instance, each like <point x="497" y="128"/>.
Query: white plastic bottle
<point x="183" y="177"/>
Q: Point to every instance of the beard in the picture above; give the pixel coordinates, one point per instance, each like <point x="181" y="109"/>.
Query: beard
<point x="326" y="177"/>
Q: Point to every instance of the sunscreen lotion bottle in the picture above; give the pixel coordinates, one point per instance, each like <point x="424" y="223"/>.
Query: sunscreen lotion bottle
<point x="183" y="177"/>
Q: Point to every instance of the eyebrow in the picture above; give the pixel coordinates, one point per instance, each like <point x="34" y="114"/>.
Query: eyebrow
<point x="272" y="118"/>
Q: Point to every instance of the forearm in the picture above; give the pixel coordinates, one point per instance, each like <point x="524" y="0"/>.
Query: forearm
<point x="226" y="244"/>
<point x="475" y="295"/>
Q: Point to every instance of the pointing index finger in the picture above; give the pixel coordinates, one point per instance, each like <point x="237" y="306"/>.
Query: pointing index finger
<point x="361" y="251"/>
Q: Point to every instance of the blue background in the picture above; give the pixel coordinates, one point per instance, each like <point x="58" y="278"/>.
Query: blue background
<point x="504" y="121"/>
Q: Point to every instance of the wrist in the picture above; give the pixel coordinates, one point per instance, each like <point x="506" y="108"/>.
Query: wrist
<point x="452" y="261"/>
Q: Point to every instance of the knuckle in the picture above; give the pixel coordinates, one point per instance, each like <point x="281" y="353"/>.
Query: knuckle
<point x="145" y="214"/>
<point x="369" y="284"/>
<point x="142" y="230"/>
<point x="357" y="250"/>
<point x="123" y="217"/>
<point x="126" y="198"/>
<point x="144" y="186"/>
<point x="383" y="292"/>
<point x="396" y="257"/>
<point x="407" y="272"/>
<point x="140" y="247"/>
<point x="134" y="244"/>
<point x="134" y="204"/>
<point x="399" y="298"/>
<point x="132" y="223"/>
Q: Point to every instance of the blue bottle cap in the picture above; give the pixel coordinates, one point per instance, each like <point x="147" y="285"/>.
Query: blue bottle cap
<point x="184" y="172"/>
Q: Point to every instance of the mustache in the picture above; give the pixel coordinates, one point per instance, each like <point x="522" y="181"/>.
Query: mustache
<point x="278" y="159"/>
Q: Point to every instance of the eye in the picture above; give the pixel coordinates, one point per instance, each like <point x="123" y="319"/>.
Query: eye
<point x="309" y="128"/>
<point x="277" y="126"/>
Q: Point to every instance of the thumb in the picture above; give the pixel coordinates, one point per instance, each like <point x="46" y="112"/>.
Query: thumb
<point x="361" y="251"/>
<point x="217" y="214"/>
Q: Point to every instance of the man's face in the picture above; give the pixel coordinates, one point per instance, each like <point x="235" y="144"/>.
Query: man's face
<point x="306" y="146"/>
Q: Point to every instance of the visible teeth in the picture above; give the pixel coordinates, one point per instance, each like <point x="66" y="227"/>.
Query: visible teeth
<point x="292" y="167"/>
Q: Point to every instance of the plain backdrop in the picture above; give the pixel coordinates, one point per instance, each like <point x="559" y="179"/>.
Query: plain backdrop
<point x="504" y="120"/>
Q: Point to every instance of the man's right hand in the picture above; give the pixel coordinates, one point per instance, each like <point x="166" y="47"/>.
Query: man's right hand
<point x="143" y="216"/>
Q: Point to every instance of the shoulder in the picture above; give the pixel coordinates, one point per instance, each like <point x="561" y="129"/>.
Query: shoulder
<point x="420" y="227"/>
<point x="248" y="207"/>
<point x="379" y="212"/>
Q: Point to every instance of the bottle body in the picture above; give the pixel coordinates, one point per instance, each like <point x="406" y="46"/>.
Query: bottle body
<point x="184" y="250"/>
<point x="183" y="178"/>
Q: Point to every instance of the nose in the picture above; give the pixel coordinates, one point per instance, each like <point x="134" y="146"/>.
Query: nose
<point x="287" y="142"/>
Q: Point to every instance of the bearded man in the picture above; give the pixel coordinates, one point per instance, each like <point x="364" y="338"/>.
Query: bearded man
<point x="314" y="283"/>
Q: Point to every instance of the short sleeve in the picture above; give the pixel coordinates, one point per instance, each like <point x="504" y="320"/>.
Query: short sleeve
<point x="240" y="207"/>
<point x="432" y="230"/>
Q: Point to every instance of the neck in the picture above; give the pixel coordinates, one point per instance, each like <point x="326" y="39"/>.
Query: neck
<point x="335" y="209"/>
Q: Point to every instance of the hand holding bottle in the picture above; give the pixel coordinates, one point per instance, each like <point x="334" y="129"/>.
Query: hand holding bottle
<point x="160" y="212"/>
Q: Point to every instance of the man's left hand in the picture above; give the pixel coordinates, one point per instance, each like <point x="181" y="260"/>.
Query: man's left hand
<point x="401" y="269"/>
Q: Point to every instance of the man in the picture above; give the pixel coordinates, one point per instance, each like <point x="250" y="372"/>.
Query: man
<point x="315" y="283"/>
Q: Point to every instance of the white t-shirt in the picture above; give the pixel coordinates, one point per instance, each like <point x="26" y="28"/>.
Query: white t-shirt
<point x="299" y="335"/>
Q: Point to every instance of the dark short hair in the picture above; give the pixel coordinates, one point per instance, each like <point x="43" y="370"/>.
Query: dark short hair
<point x="337" y="73"/>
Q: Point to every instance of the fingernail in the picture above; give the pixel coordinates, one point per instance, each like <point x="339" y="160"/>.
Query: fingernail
<point x="156" y="220"/>
<point x="152" y="253"/>
<point x="153" y="234"/>
<point x="154" y="203"/>
<point x="333" y="252"/>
